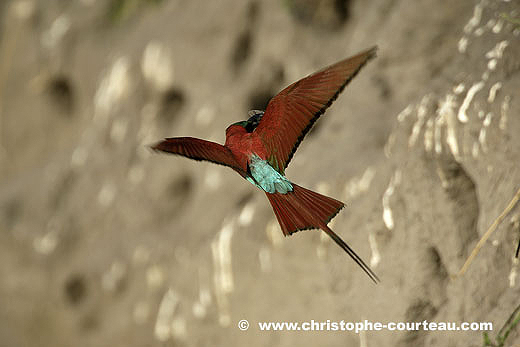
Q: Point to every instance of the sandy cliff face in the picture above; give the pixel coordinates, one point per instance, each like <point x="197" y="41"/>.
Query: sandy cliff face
<point x="103" y="242"/>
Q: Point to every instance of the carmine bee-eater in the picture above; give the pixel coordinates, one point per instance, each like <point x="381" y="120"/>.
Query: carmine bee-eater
<point x="260" y="149"/>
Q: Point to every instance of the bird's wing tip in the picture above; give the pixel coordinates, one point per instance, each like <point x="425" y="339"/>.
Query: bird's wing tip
<point x="156" y="147"/>
<point x="373" y="51"/>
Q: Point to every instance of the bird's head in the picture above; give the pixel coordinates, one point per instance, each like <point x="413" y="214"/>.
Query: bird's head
<point x="247" y="125"/>
<point x="242" y="124"/>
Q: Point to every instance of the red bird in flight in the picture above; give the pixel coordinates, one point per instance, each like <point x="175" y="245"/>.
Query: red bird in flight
<point x="260" y="149"/>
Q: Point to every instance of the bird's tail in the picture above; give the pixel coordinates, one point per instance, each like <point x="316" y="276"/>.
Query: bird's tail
<point x="304" y="209"/>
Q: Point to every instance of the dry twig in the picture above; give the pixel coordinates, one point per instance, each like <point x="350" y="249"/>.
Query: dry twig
<point x="488" y="233"/>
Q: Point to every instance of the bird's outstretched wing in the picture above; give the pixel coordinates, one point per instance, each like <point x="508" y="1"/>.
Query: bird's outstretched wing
<point x="293" y="111"/>
<point x="198" y="149"/>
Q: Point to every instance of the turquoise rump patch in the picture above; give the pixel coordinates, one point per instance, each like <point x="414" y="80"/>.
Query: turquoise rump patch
<point x="267" y="178"/>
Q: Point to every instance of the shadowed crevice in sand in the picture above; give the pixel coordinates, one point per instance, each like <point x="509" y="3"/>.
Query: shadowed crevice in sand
<point x="418" y="311"/>
<point x="178" y="191"/>
<point x="243" y="44"/>
<point x="75" y="289"/>
<point x="328" y="15"/>
<point x="269" y="81"/>
<point x="61" y="93"/>
<point x="172" y="102"/>
<point x="60" y="192"/>
<point x="461" y="192"/>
